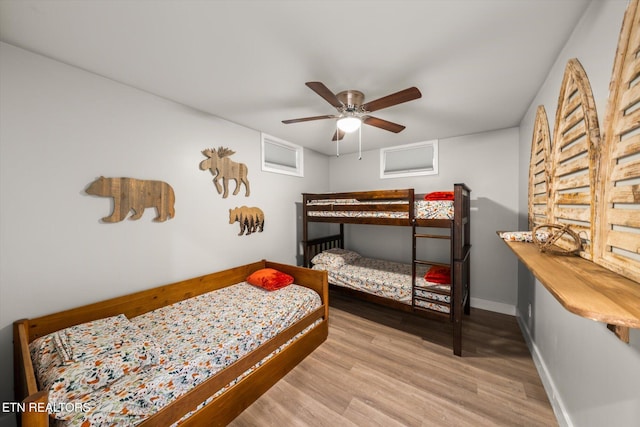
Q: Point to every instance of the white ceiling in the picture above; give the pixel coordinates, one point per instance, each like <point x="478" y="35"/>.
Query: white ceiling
<point x="478" y="63"/>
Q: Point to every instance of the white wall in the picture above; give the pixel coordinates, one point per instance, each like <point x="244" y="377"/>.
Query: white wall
<point x="592" y="377"/>
<point x="488" y="164"/>
<point x="63" y="127"/>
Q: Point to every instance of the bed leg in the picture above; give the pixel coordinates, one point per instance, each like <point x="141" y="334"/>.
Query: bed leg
<point x="467" y="284"/>
<point x="457" y="338"/>
<point x="458" y="306"/>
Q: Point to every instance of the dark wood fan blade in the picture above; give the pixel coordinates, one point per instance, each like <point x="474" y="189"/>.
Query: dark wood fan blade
<point x="393" y="99"/>
<point x="338" y="135"/>
<point x="323" y="91"/>
<point x="308" y="119"/>
<point x="383" y="124"/>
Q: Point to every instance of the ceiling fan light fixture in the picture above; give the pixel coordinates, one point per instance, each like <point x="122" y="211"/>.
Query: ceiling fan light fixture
<point x="349" y="124"/>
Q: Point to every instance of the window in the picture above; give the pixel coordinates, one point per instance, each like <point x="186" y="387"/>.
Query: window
<point x="281" y="156"/>
<point x="416" y="159"/>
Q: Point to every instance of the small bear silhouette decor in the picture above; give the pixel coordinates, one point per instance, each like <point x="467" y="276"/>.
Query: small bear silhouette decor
<point x="130" y="194"/>
<point x="222" y="167"/>
<point x="251" y="219"/>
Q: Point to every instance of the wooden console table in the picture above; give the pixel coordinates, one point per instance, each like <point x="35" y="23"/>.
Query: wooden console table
<point x="585" y="288"/>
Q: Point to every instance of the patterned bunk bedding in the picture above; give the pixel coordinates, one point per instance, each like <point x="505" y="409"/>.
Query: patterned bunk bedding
<point x="386" y="279"/>
<point x="423" y="209"/>
<point x="119" y="371"/>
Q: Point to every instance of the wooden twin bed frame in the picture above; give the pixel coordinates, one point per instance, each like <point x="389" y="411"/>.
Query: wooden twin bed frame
<point x="377" y="202"/>
<point x="222" y="409"/>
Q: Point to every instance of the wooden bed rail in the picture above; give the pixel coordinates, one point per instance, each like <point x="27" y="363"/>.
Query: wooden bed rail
<point x="25" y="381"/>
<point x="138" y="303"/>
<point x="26" y="387"/>
<point x="402" y="194"/>
<point x="35" y="413"/>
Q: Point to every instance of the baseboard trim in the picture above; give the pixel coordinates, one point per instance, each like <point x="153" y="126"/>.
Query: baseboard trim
<point x="497" y="307"/>
<point x="552" y="393"/>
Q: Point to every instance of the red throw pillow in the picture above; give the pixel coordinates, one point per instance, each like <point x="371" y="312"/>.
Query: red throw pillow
<point x="439" y="274"/>
<point x="270" y="279"/>
<point x="439" y="195"/>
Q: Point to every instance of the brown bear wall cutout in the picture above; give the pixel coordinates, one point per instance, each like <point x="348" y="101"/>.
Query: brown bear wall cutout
<point x="130" y="194"/>
<point x="251" y="219"/>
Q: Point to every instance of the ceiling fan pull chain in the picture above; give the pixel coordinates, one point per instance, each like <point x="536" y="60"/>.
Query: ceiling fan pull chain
<point x="337" y="140"/>
<point x="360" y="143"/>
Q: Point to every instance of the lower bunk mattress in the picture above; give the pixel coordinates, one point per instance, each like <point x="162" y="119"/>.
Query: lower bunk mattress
<point x="386" y="279"/>
<point x="119" y="371"/>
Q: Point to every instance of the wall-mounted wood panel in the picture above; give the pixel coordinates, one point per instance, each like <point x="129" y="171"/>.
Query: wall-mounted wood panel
<point x="618" y="243"/>
<point x="574" y="157"/>
<point x="539" y="170"/>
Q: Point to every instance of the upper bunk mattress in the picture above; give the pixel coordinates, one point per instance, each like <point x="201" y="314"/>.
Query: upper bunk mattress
<point x="423" y="209"/>
<point x="189" y="341"/>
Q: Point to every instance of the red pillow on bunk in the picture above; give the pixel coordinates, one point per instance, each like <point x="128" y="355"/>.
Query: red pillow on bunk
<point x="439" y="195"/>
<point x="439" y="274"/>
<point x="270" y="279"/>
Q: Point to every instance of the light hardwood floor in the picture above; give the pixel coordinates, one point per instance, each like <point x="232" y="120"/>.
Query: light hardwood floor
<point x="380" y="367"/>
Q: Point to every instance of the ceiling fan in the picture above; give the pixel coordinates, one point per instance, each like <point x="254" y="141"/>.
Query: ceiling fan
<point x="352" y="111"/>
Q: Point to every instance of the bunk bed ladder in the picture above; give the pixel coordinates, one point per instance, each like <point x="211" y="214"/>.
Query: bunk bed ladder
<point x="416" y="262"/>
<point x="459" y="242"/>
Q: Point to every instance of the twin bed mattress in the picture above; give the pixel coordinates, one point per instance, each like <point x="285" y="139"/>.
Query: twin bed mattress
<point x="118" y="371"/>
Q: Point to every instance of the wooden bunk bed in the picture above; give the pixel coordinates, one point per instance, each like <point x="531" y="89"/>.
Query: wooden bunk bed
<point x="216" y="399"/>
<point x="402" y="208"/>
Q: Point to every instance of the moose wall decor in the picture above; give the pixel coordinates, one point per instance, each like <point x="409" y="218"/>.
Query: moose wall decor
<point x="222" y="167"/>
<point x="130" y="194"/>
<point x="251" y="219"/>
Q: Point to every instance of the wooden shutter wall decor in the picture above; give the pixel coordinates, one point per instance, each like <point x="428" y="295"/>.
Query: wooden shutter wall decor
<point x="595" y="185"/>
<point x="539" y="167"/>
<point x="574" y="157"/>
<point x="618" y="243"/>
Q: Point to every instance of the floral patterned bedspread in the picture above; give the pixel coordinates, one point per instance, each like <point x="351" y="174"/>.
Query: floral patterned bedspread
<point x="387" y="279"/>
<point x="196" y="337"/>
<point x="434" y="209"/>
<point x="424" y="209"/>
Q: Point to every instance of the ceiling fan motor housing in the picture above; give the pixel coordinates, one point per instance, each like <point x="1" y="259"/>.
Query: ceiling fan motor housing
<point x="352" y="99"/>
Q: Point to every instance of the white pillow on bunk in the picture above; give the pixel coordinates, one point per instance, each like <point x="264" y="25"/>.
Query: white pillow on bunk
<point x="335" y="257"/>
